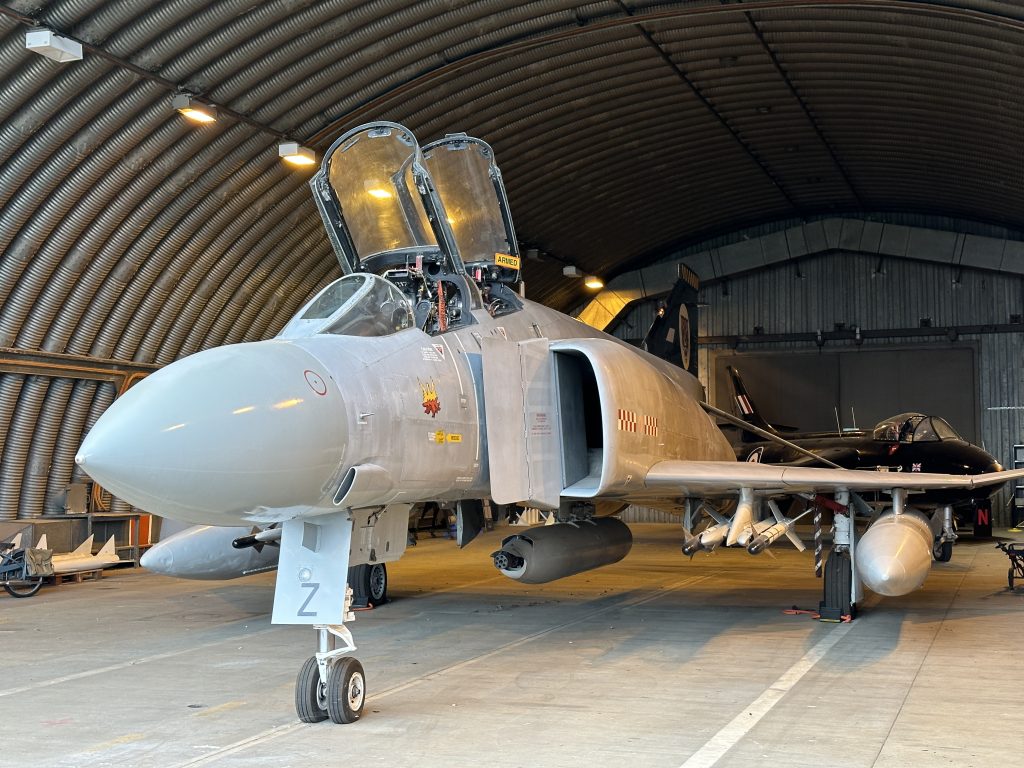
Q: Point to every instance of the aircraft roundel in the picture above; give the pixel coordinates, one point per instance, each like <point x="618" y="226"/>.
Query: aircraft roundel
<point x="316" y="382"/>
<point x="685" y="350"/>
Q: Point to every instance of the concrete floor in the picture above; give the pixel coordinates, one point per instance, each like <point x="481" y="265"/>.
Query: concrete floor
<point x="656" y="661"/>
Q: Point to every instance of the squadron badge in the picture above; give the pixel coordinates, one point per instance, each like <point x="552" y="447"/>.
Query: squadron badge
<point x="431" y="403"/>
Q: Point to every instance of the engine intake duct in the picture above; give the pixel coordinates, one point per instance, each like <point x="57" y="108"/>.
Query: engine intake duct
<point x="549" y="552"/>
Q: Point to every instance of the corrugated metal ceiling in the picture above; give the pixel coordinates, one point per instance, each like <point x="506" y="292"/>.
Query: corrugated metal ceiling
<point x="622" y="129"/>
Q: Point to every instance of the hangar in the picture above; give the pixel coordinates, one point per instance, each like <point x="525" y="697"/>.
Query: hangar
<point x="844" y="177"/>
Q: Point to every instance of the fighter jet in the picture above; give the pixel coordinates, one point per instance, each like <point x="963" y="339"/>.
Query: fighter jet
<point x="907" y="442"/>
<point x="422" y="374"/>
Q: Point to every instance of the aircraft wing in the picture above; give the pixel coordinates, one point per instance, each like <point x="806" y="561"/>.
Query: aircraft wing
<point x="712" y="478"/>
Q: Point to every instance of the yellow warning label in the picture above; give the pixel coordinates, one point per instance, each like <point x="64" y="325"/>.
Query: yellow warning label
<point x="454" y="438"/>
<point x="439" y="436"/>
<point x="506" y="260"/>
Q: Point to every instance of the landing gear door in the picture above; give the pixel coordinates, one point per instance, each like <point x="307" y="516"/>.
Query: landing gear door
<point x="524" y="454"/>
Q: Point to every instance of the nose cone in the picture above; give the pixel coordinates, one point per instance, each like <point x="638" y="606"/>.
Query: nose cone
<point x="895" y="554"/>
<point x="221" y="433"/>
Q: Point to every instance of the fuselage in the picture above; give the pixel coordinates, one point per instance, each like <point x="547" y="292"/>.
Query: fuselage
<point x="266" y="431"/>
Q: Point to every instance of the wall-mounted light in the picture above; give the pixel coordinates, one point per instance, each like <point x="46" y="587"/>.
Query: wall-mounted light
<point x="194" y="110"/>
<point x="296" y="154"/>
<point x="593" y="282"/>
<point x="53" y="46"/>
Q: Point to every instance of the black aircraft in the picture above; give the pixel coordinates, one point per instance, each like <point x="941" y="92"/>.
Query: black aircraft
<point x="907" y="442"/>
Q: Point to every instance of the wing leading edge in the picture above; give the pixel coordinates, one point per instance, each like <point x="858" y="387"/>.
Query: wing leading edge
<point x="713" y="478"/>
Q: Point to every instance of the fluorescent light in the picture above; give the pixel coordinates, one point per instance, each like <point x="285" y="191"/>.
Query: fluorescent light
<point x="296" y="154"/>
<point x="194" y="110"/>
<point x="380" y="194"/>
<point x="52" y="45"/>
<point x="593" y="282"/>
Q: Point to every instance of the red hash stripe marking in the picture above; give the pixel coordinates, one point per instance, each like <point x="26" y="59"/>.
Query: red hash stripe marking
<point x="627" y="420"/>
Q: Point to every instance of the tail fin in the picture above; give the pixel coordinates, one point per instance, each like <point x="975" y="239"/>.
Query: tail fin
<point x="16" y="541"/>
<point x="41" y="544"/>
<point x="108" y="548"/>
<point x="747" y="410"/>
<point x="673" y="334"/>
<point x="85" y="548"/>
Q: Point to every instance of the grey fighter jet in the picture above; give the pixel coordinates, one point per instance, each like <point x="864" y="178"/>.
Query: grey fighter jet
<point x="423" y="375"/>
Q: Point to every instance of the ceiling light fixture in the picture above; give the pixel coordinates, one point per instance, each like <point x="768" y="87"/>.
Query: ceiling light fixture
<point x="194" y="110"/>
<point x="296" y="154"/>
<point x="593" y="282"/>
<point x="53" y="46"/>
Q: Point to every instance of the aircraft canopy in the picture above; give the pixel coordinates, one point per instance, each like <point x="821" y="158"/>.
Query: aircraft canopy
<point x="914" y="428"/>
<point x="354" y="305"/>
<point x="372" y="175"/>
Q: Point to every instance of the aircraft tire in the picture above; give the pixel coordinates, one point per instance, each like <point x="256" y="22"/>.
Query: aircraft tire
<point x="378" y="584"/>
<point x="838" y="581"/>
<point x="346" y="690"/>
<point x="943" y="551"/>
<point x="26" y="589"/>
<point x="310" y="696"/>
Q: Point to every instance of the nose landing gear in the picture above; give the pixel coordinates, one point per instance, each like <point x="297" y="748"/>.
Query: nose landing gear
<point x="331" y="684"/>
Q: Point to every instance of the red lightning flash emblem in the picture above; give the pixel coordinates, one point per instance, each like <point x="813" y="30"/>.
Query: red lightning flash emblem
<point x="431" y="402"/>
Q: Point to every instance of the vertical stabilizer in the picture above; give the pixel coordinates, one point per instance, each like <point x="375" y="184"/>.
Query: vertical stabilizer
<point x="744" y="404"/>
<point x="673" y="334"/>
<point x="41" y="544"/>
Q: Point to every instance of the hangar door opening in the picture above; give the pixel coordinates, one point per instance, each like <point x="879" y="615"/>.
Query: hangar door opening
<point x="808" y="389"/>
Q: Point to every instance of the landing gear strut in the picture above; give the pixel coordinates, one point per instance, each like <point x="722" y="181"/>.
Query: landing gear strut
<point x="839" y="587"/>
<point x="312" y="588"/>
<point x="942" y="550"/>
<point x="331" y="684"/>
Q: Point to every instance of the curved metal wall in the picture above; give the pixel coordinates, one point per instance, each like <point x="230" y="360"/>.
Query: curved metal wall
<point x="623" y="130"/>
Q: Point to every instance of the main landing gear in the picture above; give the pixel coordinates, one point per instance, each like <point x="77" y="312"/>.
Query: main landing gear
<point x="942" y="549"/>
<point x="841" y="589"/>
<point x="331" y="684"/>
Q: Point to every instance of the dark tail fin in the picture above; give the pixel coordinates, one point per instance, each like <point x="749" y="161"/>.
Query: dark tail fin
<point x="747" y="410"/>
<point x="673" y="334"/>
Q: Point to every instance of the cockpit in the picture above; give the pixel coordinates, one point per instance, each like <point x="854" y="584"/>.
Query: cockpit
<point x="433" y="222"/>
<point x="914" y="428"/>
<point x="354" y="305"/>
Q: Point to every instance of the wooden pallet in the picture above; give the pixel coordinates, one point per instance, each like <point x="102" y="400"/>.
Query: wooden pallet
<point x="74" y="578"/>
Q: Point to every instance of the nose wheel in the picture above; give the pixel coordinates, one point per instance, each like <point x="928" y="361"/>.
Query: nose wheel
<point x="331" y="684"/>
<point x="346" y="690"/>
<point x="310" y="693"/>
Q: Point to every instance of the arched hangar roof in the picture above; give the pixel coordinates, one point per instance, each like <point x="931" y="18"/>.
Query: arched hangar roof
<point x="623" y="129"/>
